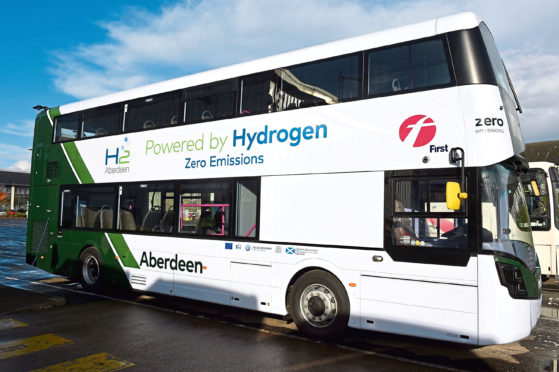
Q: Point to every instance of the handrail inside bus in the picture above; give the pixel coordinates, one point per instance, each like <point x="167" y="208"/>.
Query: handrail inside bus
<point x="312" y="90"/>
<point x="250" y="231"/>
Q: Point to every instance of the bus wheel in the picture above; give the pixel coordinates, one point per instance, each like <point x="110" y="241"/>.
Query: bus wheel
<point x="545" y="278"/>
<point x="90" y="268"/>
<point x="319" y="304"/>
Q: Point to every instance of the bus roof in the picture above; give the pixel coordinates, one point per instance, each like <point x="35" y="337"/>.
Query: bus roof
<point x="420" y="30"/>
<point x="542" y="164"/>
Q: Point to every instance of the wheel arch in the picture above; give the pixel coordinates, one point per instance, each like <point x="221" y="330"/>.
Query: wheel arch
<point x="318" y="302"/>
<point x="343" y="276"/>
<point x="97" y="284"/>
<point x="300" y="273"/>
<point x="74" y="269"/>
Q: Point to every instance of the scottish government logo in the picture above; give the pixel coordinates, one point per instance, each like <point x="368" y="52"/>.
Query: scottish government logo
<point x="420" y="129"/>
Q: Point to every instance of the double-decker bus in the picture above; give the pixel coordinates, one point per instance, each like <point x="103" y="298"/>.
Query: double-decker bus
<point x="372" y="182"/>
<point x="541" y="188"/>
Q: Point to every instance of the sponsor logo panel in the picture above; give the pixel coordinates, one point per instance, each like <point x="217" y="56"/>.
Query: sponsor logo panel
<point x="209" y="150"/>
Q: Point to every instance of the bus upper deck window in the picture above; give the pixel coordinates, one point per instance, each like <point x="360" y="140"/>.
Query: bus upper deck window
<point x="259" y="94"/>
<point x="415" y="66"/>
<point x="66" y="127"/>
<point x="208" y="102"/>
<point x="319" y="83"/>
<point x="101" y="122"/>
<point x="154" y="112"/>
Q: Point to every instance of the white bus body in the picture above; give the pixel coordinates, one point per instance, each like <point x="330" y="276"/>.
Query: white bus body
<point x="543" y="199"/>
<point x="335" y="185"/>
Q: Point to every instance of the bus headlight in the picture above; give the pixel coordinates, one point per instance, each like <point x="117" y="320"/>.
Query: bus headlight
<point x="511" y="277"/>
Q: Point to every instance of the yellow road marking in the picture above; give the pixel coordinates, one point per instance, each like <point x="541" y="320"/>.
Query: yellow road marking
<point x="10" y="323"/>
<point x="55" y="280"/>
<point x="30" y="345"/>
<point x="97" y="362"/>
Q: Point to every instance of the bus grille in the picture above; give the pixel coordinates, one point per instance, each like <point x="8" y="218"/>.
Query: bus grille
<point x="39" y="227"/>
<point x="138" y="279"/>
<point x="52" y="169"/>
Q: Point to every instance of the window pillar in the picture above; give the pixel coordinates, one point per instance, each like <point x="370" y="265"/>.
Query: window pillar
<point x="12" y="197"/>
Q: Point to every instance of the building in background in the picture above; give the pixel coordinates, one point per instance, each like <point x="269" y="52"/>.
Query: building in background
<point x="15" y="186"/>
<point x="543" y="151"/>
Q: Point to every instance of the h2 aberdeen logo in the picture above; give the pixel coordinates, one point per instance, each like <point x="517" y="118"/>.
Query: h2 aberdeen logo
<point x="420" y="129"/>
<point x="119" y="156"/>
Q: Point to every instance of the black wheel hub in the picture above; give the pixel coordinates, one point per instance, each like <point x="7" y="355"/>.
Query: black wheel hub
<point x="316" y="306"/>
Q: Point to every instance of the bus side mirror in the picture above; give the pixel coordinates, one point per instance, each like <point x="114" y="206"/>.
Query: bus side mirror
<point x="535" y="188"/>
<point x="454" y="195"/>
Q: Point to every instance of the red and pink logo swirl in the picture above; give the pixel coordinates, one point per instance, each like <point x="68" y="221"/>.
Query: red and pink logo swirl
<point x="424" y="132"/>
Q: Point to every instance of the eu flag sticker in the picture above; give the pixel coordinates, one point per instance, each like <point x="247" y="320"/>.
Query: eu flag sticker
<point x="228" y="245"/>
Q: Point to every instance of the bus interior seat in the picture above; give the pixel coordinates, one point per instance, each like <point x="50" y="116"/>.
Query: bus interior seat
<point x="174" y="120"/>
<point x="79" y="219"/>
<point x="205" y="222"/>
<point x="206" y="115"/>
<point x="151" y="220"/>
<point x="219" y="222"/>
<point x="106" y="217"/>
<point x="87" y="217"/>
<point x="167" y="220"/>
<point x="100" y="132"/>
<point x="127" y="221"/>
<point x="148" y="124"/>
<point x="396" y="85"/>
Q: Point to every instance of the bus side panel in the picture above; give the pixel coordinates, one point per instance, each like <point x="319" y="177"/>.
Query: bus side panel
<point x="438" y="301"/>
<point x="180" y="266"/>
<point x="41" y="227"/>
<point x="436" y="310"/>
<point x="357" y="136"/>
<point x="331" y="209"/>
<point x="485" y="125"/>
<point x="326" y="209"/>
<point x="241" y="274"/>
<point x="545" y="254"/>
<point x="251" y="285"/>
<point x="49" y="168"/>
<point x="37" y="216"/>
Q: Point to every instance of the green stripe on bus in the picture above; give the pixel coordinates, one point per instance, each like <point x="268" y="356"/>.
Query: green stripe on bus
<point x="54" y="112"/>
<point x="123" y="251"/>
<point x="77" y="162"/>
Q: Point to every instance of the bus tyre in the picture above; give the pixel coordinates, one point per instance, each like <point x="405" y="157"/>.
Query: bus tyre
<point x="90" y="270"/>
<point x="319" y="305"/>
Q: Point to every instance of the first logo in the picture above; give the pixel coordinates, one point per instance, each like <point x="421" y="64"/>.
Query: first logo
<point x="424" y="133"/>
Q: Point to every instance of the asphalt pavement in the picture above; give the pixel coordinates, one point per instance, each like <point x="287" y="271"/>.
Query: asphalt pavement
<point x="15" y="300"/>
